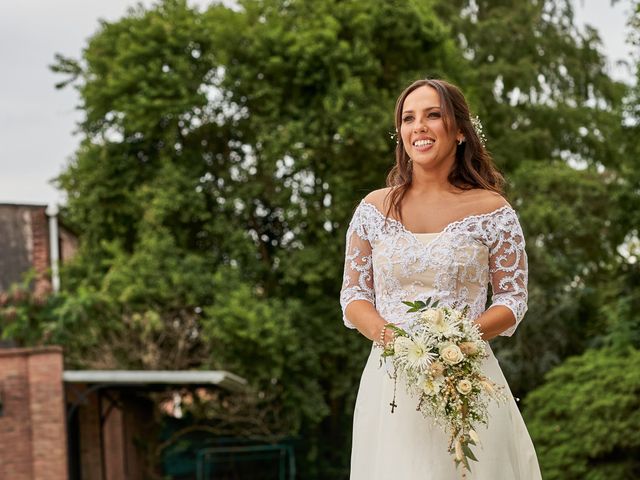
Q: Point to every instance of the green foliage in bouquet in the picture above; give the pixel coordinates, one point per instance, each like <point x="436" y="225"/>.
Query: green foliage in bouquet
<point x="585" y="419"/>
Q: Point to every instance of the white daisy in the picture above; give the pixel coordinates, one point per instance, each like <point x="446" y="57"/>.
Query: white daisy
<point x="413" y="353"/>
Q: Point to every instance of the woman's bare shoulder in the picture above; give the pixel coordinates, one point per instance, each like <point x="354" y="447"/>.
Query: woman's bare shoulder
<point x="379" y="198"/>
<point x="487" y="200"/>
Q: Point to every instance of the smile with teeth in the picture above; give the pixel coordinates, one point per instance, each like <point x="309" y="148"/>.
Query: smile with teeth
<point x="423" y="143"/>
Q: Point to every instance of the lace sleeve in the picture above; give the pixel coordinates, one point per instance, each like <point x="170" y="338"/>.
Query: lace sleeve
<point x="508" y="267"/>
<point x="357" y="283"/>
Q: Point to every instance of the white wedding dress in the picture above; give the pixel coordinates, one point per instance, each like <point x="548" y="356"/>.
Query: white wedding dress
<point x="386" y="264"/>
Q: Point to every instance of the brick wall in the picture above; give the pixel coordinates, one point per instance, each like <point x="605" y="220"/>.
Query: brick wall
<point x="41" y="260"/>
<point x="16" y="243"/>
<point x="69" y="244"/>
<point x="33" y="442"/>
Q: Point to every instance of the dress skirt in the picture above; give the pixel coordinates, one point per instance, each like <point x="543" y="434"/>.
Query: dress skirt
<point x="404" y="445"/>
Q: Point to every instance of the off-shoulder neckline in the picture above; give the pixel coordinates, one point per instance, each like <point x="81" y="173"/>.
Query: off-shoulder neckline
<point x="447" y="227"/>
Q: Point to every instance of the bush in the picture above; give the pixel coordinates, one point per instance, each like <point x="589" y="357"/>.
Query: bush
<point x="585" y="419"/>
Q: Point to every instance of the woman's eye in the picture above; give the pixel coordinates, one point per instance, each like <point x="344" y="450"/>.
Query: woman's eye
<point x="407" y="118"/>
<point x="434" y="115"/>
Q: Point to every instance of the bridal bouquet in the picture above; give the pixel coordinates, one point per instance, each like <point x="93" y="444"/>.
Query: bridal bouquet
<point x="440" y="358"/>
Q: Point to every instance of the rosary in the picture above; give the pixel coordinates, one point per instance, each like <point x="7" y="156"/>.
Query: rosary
<point x="395" y="384"/>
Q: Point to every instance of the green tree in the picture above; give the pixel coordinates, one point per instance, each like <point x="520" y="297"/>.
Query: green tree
<point x="214" y="181"/>
<point x="223" y="152"/>
<point x="624" y="307"/>
<point x="585" y="419"/>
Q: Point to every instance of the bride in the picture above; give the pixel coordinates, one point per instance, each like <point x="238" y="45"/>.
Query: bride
<point x="440" y="229"/>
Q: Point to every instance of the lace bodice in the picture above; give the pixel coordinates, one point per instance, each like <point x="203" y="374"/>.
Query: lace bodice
<point x="385" y="264"/>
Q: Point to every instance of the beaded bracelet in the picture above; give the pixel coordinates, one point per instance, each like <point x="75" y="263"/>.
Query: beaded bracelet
<point x="382" y="333"/>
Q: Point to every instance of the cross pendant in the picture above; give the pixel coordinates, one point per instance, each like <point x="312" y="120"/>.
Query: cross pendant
<point x="393" y="406"/>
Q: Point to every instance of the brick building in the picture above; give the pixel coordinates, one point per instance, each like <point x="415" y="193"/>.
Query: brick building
<point x="32" y="240"/>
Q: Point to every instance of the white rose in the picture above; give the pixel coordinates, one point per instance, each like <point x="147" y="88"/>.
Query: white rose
<point x="464" y="386"/>
<point x="433" y="315"/>
<point x="451" y="354"/>
<point x="402" y="344"/>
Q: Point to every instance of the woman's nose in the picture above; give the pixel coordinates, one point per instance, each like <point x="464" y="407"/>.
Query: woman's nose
<point x="420" y="127"/>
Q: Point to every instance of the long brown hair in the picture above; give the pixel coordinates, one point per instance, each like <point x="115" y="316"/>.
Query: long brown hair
<point x="473" y="167"/>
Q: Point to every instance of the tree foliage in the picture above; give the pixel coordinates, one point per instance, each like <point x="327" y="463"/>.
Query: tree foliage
<point x="223" y="152"/>
<point x="215" y="177"/>
<point x="585" y="419"/>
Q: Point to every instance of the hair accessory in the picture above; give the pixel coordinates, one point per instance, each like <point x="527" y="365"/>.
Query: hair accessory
<point x="393" y="135"/>
<point x="477" y="126"/>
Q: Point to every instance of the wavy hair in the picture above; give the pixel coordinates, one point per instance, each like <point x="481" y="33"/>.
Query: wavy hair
<point x="473" y="167"/>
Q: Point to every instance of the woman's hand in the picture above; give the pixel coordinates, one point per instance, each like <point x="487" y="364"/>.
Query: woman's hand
<point x="494" y="321"/>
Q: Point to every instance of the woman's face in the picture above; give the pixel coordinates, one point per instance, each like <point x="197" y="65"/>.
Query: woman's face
<point x="424" y="135"/>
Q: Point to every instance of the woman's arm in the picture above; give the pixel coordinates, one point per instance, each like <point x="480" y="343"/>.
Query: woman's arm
<point x="508" y="270"/>
<point x="495" y="320"/>
<point x="357" y="296"/>
<point x="366" y="319"/>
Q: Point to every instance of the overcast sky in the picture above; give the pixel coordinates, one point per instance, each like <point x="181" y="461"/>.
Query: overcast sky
<point x="37" y="121"/>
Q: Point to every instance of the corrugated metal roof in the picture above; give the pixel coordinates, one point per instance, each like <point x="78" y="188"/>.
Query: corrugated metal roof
<point x="220" y="378"/>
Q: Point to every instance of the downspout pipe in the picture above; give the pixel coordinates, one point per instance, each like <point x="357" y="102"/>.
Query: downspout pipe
<point x="54" y="246"/>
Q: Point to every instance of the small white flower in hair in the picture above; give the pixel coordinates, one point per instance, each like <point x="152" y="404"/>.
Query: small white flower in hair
<point x="477" y="126"/>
